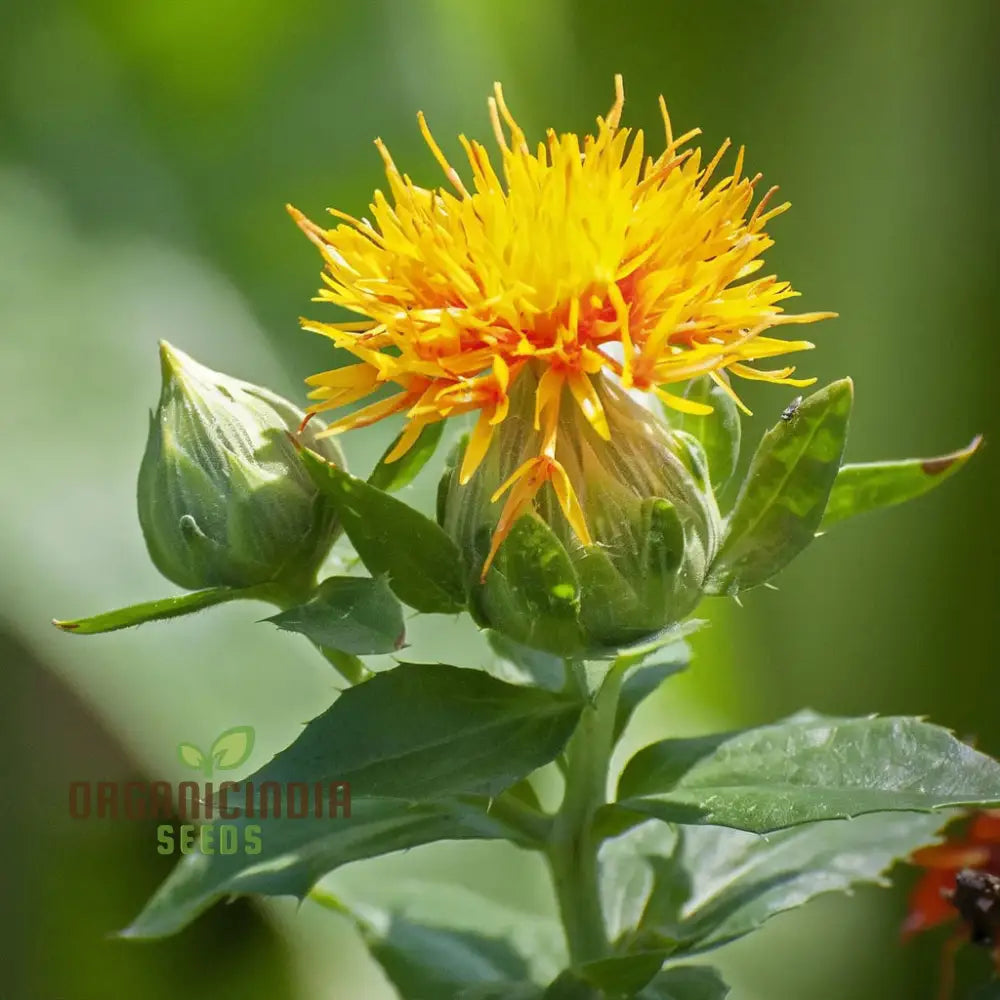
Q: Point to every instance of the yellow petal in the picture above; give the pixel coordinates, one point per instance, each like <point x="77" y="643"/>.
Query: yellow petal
<point x="682" y="404"/>
<point x="475" y="450"/>
<point x="589" y="402"/>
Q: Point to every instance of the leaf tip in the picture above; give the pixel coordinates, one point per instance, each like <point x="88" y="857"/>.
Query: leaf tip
<point x="935" y="466"/>
<point x="65" y="626"/>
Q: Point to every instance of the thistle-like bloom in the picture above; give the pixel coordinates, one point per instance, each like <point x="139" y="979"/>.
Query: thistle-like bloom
<point x="580" y="259"/>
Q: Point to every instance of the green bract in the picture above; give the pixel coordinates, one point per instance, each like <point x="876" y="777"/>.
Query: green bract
<point x="648" y="506"/>
<point x="223" y="498"/>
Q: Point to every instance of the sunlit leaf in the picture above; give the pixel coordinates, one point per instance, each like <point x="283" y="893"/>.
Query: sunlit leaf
<point x="782" y="499"/>
<point x="872" y="485"/>
<point x="805" y="769"/>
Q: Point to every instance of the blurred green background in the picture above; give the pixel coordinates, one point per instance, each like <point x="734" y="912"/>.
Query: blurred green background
<point x="146" y="152"/>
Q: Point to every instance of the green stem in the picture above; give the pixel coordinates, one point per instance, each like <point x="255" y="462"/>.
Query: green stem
<point x="573" y="844"/>
<point x="347" y="665"/>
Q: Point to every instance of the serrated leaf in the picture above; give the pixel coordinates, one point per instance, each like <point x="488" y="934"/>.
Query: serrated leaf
<point x="428" y="730"/>
<point x="459" y="731"/>
<point x="867" y="486"/>
<point x="781" y="501"/>
<point x="295" y="853"/>
<point x="421" y="562"/>
<point x="807" y="769"/>
<point x="353" y="614"/>
<point x="718" y="432"/>
<point x="191" y="756"/>
<point x="532" y="592"/>
<point x="738" y="880"/>
<point x="686" y="982"/>
<point x="154" y="611"/>
<point x="392" y="476"/>
<point x="233" y="747"/>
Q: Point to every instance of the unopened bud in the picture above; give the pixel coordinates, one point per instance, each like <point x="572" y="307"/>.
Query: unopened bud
<point x="224" y="500"/>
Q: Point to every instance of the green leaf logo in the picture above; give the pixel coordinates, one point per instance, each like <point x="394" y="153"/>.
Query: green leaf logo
<point x="233" y="747"/>
<point x="191" y="756"/>
<point x="229" y="750"/>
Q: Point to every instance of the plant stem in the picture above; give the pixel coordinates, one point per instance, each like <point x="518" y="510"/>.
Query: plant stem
<point x="347" y="665"/>
<point x="572" y="847"/>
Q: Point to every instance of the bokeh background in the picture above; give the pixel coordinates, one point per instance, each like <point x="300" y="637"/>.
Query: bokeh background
<point x="146" y="152"/>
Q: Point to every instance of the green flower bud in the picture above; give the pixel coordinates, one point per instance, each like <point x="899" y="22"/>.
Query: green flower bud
<point x="651" y="514"/>
<point x="224" y="500"/>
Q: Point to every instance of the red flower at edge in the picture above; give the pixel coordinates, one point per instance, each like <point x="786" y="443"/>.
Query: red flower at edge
<point x="931" y="904"/>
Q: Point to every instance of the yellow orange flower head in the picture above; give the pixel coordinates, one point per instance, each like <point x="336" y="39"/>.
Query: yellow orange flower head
<point x="581" y="258"/>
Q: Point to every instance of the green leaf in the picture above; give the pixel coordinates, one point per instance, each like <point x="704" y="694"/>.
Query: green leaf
<point x="411" y="919"/>
<point x="627" y="877"/>
<point x="873" y="485"/>
<point x="686" y="982"/>
<point x="428" y="730"/>
<point x="624" y="975"/>
<point x="353" y="614"/>
<point x="291" y="855"/>
<point x="233" y="747"/>
<point x="425" y="963"/>
<point x="805" y="769"/>
<point x="570" y="986"/>
<point x="531" y="592"/>
<point x="782" y="499"/>
<point x="392" y="476"/>
<point x="718" y="432"/>
<point x="734" y="881"/>
<point x="637" y="651"/>
<point x="154" y="611"/>
<point x="502" y="991"/>
<point x="422" y="563"/>
<point x="643" y="678"/>
<point x="458" y="731"/>
<point x="526" y="664"/>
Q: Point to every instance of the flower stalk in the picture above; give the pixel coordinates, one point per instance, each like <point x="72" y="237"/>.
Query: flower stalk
<point x="573" y="846"/>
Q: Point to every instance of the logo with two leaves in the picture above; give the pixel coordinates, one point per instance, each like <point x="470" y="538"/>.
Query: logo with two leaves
<point x="229" y="750"/>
